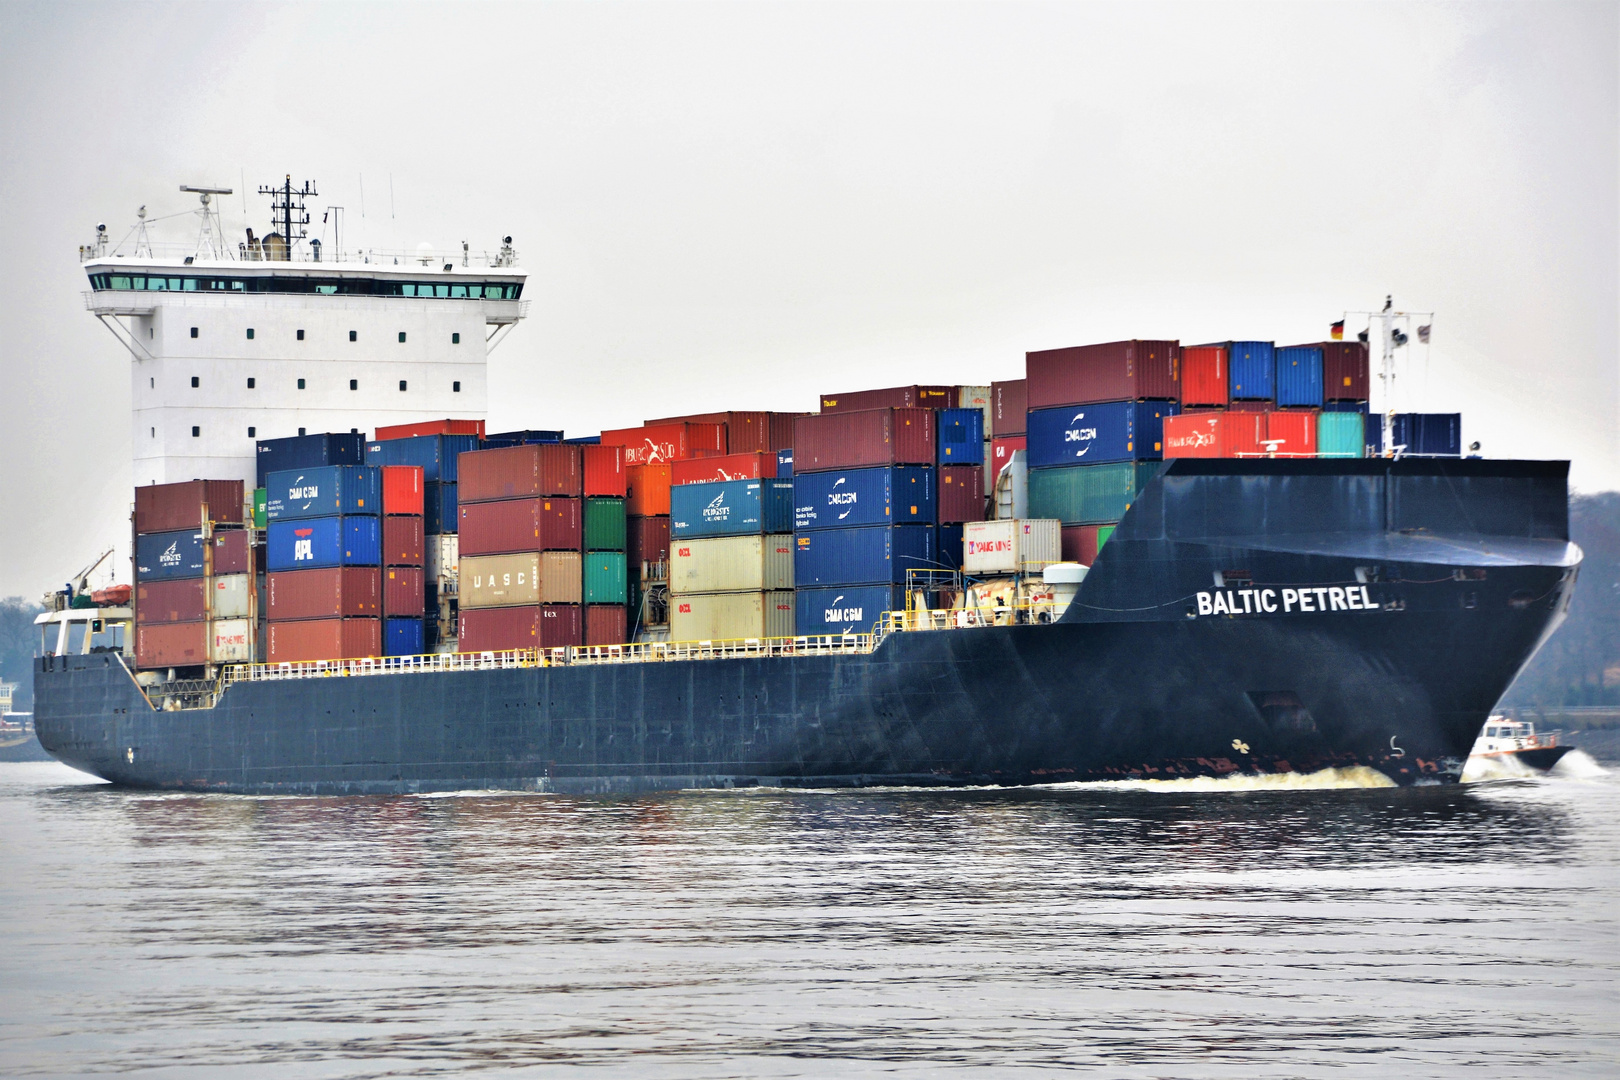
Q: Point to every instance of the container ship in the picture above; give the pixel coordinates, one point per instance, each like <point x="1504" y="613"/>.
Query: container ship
<point x="1141" y="559"/>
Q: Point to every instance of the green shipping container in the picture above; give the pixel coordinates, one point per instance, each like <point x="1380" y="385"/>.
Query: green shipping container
<point x="1103" y="534"/>
<point x="1087" y="494"/>
<point x="604" y="527"/>
<point x="261" y="511"/>
<point x="1340" y="434"/>
<point x="605" y="579"/>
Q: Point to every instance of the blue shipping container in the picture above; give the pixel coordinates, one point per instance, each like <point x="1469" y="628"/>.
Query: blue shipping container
<point x="873" y="555"/>
<point x="167" y="555"/>
<point x="324" y="491"/>
<point x="784" y="464"/>
<point x="949" y="545"/>
<point x="585" y="440"/>
<point x="886" y="495"/>
<point x="1429" y="434"/>
<point x="851" y="610"/>
<point x="1098" y="434"/>
<point x="1253" y="369"/>
<point x="308" y="452"/>
<point x="1299" y="375"/>
<point x="439" y="509"/>
<point x="404" y="637"/>
<point x="436" y="454"/>
<point x="961" y="437"/>
<point x="317" y="543"/>
<point x="730" y="508"/>
<point x="518" y="438"/>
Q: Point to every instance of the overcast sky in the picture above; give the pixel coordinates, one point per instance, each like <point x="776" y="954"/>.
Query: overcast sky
<point x="742" y="205"/>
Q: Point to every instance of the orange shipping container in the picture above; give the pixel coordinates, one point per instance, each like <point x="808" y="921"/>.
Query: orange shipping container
<point x="431" y="427"/>
<point x="647" y="490"/>
<point x="323" y="639"/>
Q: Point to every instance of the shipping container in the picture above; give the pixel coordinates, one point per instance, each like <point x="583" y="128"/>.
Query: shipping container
<point x="308" y="452"/>
<point x="1291" y="433"/>
<point x="532" y="626"/>
<point x="1340" y="435"/>
<point x="1253" y="367"/>
<point x="864" y="556"/>
<point x="440" y="503"/>
<point x="1001" y="451"/>
<point x="233" y="551"/>
<point x="948" y="544"/>
<point x="160" y="556"/>
<point x="731" y="508"/>
<point x="604" y="524"/>
<point x="404" y="636"/>
<point x="1102" y="432"/>
<point x="1246" y="433"/>
<point x="1428" y="434"/>
<point x="443" y="554"/>
<point x="323" y="639"/>
<point x="310" y="543"/>
<point x="646" y="546"/>
<point x="886" y="495"/>
<point x="664" y="443"/>
<point x="894" y="397"/>
<point x="960" y="437"/>
<point x="495" y="528"/>
<point x="231" y="596"/>
<point x="430" y="427"/>
<point x="731" y="564"/>
<point x="851" y="609"/>
<point x="605" y="578"/>
<point x="404" y="542"/>
<point x="1084" y="494"/>
<point x="1011" y="547"/>
<point x="1196" y="435"/>
<point x="436" y="454"/>
<point x="647" y="490"/>
<point x="173" y="507"/>
<point x="403" y="490"/>
<point x="602" y="469"/>
<point x="520" y="472"/>
<point x="746" y="432"/>
<point x="960" y="495"/>
<point x="1009" y="405"/>
<point x="1204" y="375"/>
<point x="1081" y="542"/>
<point x="848" y="440"/>
<point x="518" y="438"/>
<point x="1115" y="371"/>
<point x="551" y="577"/>
<point x="1372" y="424"/>
<point x="231" y="641"/>
<point x="730" y="616"/>
<point x="976" y="397"/>
<point x="1344" y="370"/>
<point x="750" y="466"/>
<point x="162" y="645"/>
<point x="1299" y="376"/>
<point x="784" y="463"/>
<point x="606" y="624"/>
<point x="404" y="591"/>
<point x="261" y="508"/>
<point x="327" y="491"/>
<point x="1251" y="406"/>
<point x="339" y="592"/>
<point x="584" y="440"/>
<point x="179" y="600"/>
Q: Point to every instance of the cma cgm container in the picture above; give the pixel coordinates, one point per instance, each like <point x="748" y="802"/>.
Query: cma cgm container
<point x="1091" y="434"/>
<point x="1344" y="370"/>
<point x="647" y="490"/>
<point x="404" y="591"/>
<point x="495" y="528"/>
<point x="847" y="440"/>
<point x="1082" y="494"/>
<point x="867" y="556"/>
<point x="1116" y="371"/>
<point x="731" y="564"/>
<point x="1253" y="367"/>
<point x="731" y="508"/>
<point x="323" y="639"/>
<point x="323" y="492"/>
<point x="404" y="542"/>
<point x="233" y="551"/>
<point x="605" y="580"/>
<point x="433" y="427"/>
<point x="436" y="454"/>
<point x="602" y="471"/>
<point x="666" y="442"/>
<point x="1299" y="376"/>
<point x="340" y="592"/>
<point x="1082" y="542"/>
<point x="1009" y="404"/>
<point x="532" y="626"/>
<point x="172" y="507"/>
<point x="754" y="466"/>
<point x="403" y="490"/>
<point x="1011" y="547"/>
<point x="308" y="452"/>
<point x="849" y="609"/>
<point x="180" y="554"/>
<point x="894" y="397"/>
<point x="1340" y="435"/>
<point x="960" y="495"/>
<point x="440" y="503"/>
<point x="604" y="524"/>
<point x="646" y="545"/>
<point x="606" y="624"/>
<point x="1205" y="378"/>
<point x="520" y="472"/>
<point x="551" y="577"/>
<point x="1428" y="434"/>
<point x="887" y="495"/>
<point x="404" y="637"/>
<point x="311" y="543"/>
<point x="730" y="616"/>
<point x="960" y="439"/>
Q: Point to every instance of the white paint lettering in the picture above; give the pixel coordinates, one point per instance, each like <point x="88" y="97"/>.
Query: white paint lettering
<point x="1268" y="599"/>
<point x="1206" y="606"/>
<point x="1246" y="594"/>
<point x="1305" y="600"/>
<point x="1352" y="599"/>
<point x="1220" y="604"/>
<point x="1366" y="600"/>
<point x="1290" y="598"/>
<point x="1336" y="599"/>
<point x="1321" y="598"/>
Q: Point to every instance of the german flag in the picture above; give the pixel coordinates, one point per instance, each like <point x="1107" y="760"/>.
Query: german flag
<point x="1337" y="330"/>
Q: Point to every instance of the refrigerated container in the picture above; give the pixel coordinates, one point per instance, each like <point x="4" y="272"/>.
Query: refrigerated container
<point x="1011" y="547"/>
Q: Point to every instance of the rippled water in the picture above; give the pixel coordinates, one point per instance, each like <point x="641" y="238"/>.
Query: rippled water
<point x="1224" y="930"/>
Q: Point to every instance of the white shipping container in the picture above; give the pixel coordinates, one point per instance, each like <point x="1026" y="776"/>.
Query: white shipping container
<point x="230" y="641"/>
<point x="443" y="553"/>
<point x="975" y="397"/>
<point x="731" y="564"/>
<point x="727" y="616"/>
<point x="230" y="596"/>
<point x="1026" y="545"/>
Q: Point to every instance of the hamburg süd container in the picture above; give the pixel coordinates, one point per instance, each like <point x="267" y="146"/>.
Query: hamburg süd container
<point x="751" y="466"/>
<point x="180" y="554"/>
<point x="884" y="495"/>
<point x="551" y="577"/>
<point x="731" y="508"/>
<point x="339" y="592"/>
<point x="310" y="543"/>
<point x="402" y="490"/>
<point x="308" y="452"/>
<point x="1115" y="371"/>
<point x="604" y="524"/>
<point x="606" y="624"/>
<point x="663" y="443"/>
<point x="1082" y="542"/>
<point x="1205" y="379"/>
<point x="1340" y="435"/>
<point x="871" y="555"/>
<point x="730" y="616"/>
<point x="404" y="591"/>
<point x="436" y="454"/>
<point x="520" y="472"/>
<point x="646" y="546"/>
<point x="960" y="494"/>
<point x="1344" y="370"/>
<point x="323" y="639"/>
<point x="1299" y="376"/>
<point x="1253" y="368"/>
<point x="443" y="555"/>
<point x="605" y="579"/>
<point x="1086" y="494"/>
<point x="173" y="507"/>
<point x="848" y="609"/>
<point x="1102" y="432"/>
<point x="173" y="601"/>
<point x="849" y="440"/>
<point x="1011" y="547"/>
<point x="440" y="503"/>
<point x="960" y="440"/>
<point x="1428" y="434"/>
<point x="233" y="551"/>
<point x="432" y="427"/>
<point x="1009" y="404"/>
<point x="404" y="636"/>
<point x="1197" y="435"/>
<point x="532" y="626"/>
<point x="1291" y="433"/>
<point x="327" y="491"/>
<point x="731" y="564"/>
<point x="404" y="542"/>
<point x="647" y="490"/>
<point x="602" y="470"/>
<point x="894" y="397"/>
<point x="513" y="525"/>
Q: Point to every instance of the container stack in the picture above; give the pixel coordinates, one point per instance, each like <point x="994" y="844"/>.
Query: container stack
<point x="324" y="554"/>
<point x="959" y="476"/>
<point x="195" y="602"/>
<point x="731" y="555"/>
<point x="301" y="452"/>
<point x="407" y="606"/>
<point x="606" y="576"/>
<point x="1007" y="467"/>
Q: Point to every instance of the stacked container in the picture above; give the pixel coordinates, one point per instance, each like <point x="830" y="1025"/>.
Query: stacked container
<point x="324" y="554"/>
<point x="407" y="606"/>
<point x="195" y="602"/>
<point x="745" y="432"/>
<point x="731" y="559"/>
<point x="606" y="584"/>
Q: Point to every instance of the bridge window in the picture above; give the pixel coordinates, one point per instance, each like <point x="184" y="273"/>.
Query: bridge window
<point x="195" y="382"/>
<point x="250" y="333"/>
<point x="354" y="384"/>
<point x="300" y="384"/>
<point x="455" y="339"/>
<point x="402" y="384"/>
<point x="193" y="331"/>
<point x="455" y="387"/>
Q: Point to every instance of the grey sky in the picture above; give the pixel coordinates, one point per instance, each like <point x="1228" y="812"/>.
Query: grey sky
<point x="743" y="205"/>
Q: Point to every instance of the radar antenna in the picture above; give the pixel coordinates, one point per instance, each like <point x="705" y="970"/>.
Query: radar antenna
<point x="211" y="237"/>
<point x="287" y="208"/>
<point x="143" y="243"/>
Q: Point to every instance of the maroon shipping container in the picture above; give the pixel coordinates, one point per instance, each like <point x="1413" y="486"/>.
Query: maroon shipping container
<point x="646" y="540"/>
<point x="233" y="552"/>
<point x="606" y="624"/>
<point x="323" y="639"/>
<point x="171" y="507"/>
<point x="653" y="444"/>
<point x="546" y="626"/>
<point x="603" y="471"/>
<point x="171" y="601"/>
<point x="519" y="472"/>
<point x="404" y="591"/>
<point x="1243" y="405"/>
<point x="1009" y="408"/>
<point x="1117" y="371"/>
<point x="161" y="645"/>
<point x="402" y="489"/>
<point x="404" y="542"/>
<point x="894" y="397"/>
<point x="1344" y="370"/>
<point x="352" y="591"/>
<point x="961" y="493"/>
<point x="498" y="528"/>
<point x="725" y="467"/>
<point x="1080" y="543"/>
<point x="849" y="440"/>
<point x="746" y="432"/>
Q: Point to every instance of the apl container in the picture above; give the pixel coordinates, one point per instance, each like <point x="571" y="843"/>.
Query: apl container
<point x="404" y="637"/>
<point x="327" y="491"/>
<point x="1253" y="365"/>
<point x="646" y="547"/>
<point x="1340" y="435"/>
<point x="753" y="466"/>
<point x="603" y="471"/>
<point x="960" y="494"/>
<point x="850" y="609"/>
<point x="1008" y="407"/>
<point x="866" y="556"/>
<point x="960" y="440"/>
<point x="308" y="452"/>
<point x="1299" y="376"/>
<point x="159" y="556"/>
<point x="1115" y="371"/>
<point x="1084" y="494"/>
<point x="402" y="490"/>
<point x="731" y="508"/>
<point x="730" y="616"/>
<point x="1205" y="378"/>
<point x="1082" y="542"/>
<point x="436" y="454"/>
<point x="404" y="542"/>
<point x="323" y="639"/>
<point x="433" y="427"/>
<point x="604" y="525"/>
<point x="552" y="577"/>
<point x="606" y="624"/>
<point x="1428" y="434"/>
<point x="440" y="505"/>
<point x="521" y="472"/>
<point x="1095" y="434"/>
<point x="311" y="543"/>
<point x="404" y="591"/>
<point x="1011" y="547"/>
<point x="894" y="397"/>
<point x="888" y="495"/>
<point x="1344" y="370"/>
<point x="850" y="440"/>
<point x="233" y="551"/>
<point x="186" y="505"/>
<point x="731" y="564"/>
<point x="663" y="443"/>
<point x="552" y="626"/>
<point x="647" y="490"/>
<point x="494" y="528"/>
<point x="341" y="592"/>
<point x="605" y="579"/>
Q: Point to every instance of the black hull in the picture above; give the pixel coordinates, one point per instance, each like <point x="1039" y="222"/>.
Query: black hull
<point x="1132" y="682"/>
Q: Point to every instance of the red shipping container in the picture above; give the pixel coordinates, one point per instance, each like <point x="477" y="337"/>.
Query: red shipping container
<point x="1001" y="451"/>
<point x="1009" y="408"/>
<point x="323" y="639"/>
<point x="513" y="525"/>
<point x="603" y="471"/>
<point x="1296" y="430"/>
<point x="431" y="427"/>
<point x="606" y="624"/>
<point x="1116" y="371"/>
<point x="161" y="645"/>
<point x="404" y="543"/>
<point x="646" y="541"/>
<point x="725" y="467"/>
<point x="666" y="442"/>
<point x="171" y="601"/>
<point x="1204" y="375"/>
<point x="402" y="489"/>
<point x="353" y="591"/>
<point x="746" y="432"/>
<point x="545" y="626"/>
<point x="894" y="397"/>
<point x="171" y="507"/>
<point x="1245" y="434"/>
<point x="848" y="440"/>
<point x="647" y="490"/>
<point x="233" y="552"/>
<point x="961" y="493"/>
<point x="519" y="472"/>
<point x="1195" y="435"/>
<point x="1344" y="370"/>
<point x="404" y="591"/>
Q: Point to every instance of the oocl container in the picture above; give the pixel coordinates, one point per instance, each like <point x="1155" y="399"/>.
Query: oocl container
<point x="961" y="494"/>
<point x="323" y="639"/>
<point x="731" y="508"/>
<point x="514" y="525"/>
<point x="848" y="609"/>
<point x="606" y="624"/>
<point x="404" y="542"/>
<point x="1291" y="434"/>
<point x="1340" y="435"/>
<point x="552" y="626"/>
<point x="432" y="427"/>
<point x="436" y="454"/>
<point x="647" y="490"/>
<point x="347" y="591"/>
<point x="323" y="492"/>
<point x="310" y="543"/>
<point x="1092" y="434"/>
<point x="403" y="490"/>
<point x="173" y="507"/>
<point x="1085" y="494"/>
<point x="894" y="397"/>
<point x="605" y="579"/>
<point x="603" y="471"/>
<point x="1115" y="371"/>
<point x="960" y="439"/>
<point x="886" y="495"/>
<point x="552" y="577"/>
<point x="731" y="564"/>
<point x="604" y="524"/>
<point x="1205" y="377"/>
<point x="182" y="600"/>
<point x="730" y="616"/>
<point x="666" y="442"/>
<point x="520" y="472"/>
<point x="1299" y="375"/>
<point x="1344" y="370"/>
<point x="404" y="591"/>
<point x="752" y="466"/>
<point x="308" y="452"/>
<point x="1011" y="547"/>
<point x="1253" y="366"/>
<point x="849" y="440"/>
<point x="181" y="554"/>
<point x="1009" y="404"/>
<point x="866" y="556"/>
<point x="404" y="637"/>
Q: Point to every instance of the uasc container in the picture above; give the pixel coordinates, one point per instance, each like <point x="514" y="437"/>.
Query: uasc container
<point x="323" y="639"/>
<point x="310" y="543"/>
<point x="731" y="564"/>
<point x="324" y="492"/>
<point x="173" y="507"/>
<point x="848" y="440"/>
<point x="731" y="508"/>
<point x="1115" y="371"/>
<point x="339" y="592"/>
<point x="520" y="472"/>
<point x="844" y="498"/>
<point x="1011" y="547"/>
<point x="730" y="616"/>
<point x="866" y="556"/>
<point x="551" y="577"/>
<point x="520" y="525"/>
